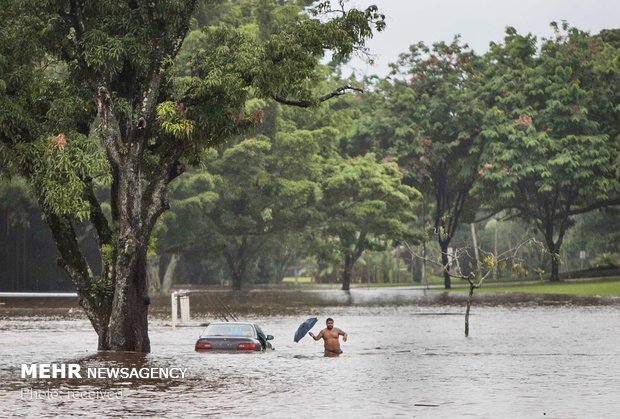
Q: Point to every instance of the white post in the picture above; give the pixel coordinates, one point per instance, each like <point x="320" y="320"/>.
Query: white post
<point x="173" y="308"/>
<point x="582" y="256"/>
<point x="185" y="309"/>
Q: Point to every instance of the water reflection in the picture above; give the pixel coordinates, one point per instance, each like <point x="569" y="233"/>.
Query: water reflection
<point x="398" y="361"/>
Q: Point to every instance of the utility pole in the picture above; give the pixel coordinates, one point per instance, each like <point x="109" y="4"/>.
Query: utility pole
<point x="423" y="280"/>
<point x="475" y="241"/>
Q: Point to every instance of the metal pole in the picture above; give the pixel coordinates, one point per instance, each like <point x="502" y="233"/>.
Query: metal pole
<point x="423" y="280"/>
<point x="398" y="264"/>
<point x="173" y="306"/>
<point x="475" y="241"/>
<point x="495" y="248"/>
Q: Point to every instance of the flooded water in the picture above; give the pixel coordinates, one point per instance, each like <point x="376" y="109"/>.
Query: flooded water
<point x="399" y="361"/>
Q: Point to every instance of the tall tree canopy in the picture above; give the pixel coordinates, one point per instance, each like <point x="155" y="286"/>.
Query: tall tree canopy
<point x="552" y="130"/>
<point x="89" y="95"/>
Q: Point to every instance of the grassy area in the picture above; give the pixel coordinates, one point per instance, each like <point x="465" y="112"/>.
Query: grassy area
<point x="431" y="280"/>
<point x="298" y="280"/>
<point x="605" y="288"/>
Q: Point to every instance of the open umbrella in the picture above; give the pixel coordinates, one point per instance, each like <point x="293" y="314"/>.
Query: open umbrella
<point x="305" y="328"/>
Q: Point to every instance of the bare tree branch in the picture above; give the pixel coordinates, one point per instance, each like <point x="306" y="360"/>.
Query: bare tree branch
<point x="476" y="277"/>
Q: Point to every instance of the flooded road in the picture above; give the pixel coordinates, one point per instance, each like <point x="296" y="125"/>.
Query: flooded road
<point x="399" y="361"/>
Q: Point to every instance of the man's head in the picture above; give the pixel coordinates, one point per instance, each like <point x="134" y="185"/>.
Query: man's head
<point x="330" y="323"/>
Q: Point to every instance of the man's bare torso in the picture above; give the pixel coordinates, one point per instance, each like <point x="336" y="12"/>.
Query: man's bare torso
<point x="330" y="339"/>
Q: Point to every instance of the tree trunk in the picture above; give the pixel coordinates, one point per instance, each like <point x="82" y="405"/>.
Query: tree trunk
<point x="555" y="266"/>
<point x="237" y="279"/>
<point x="553" y="246"/>
<point x="283" y="263"/>
<point x="152" y="274"/>
<point x="169" y="273"/>
<point x="128" y="326"/>
<point x="116" y="302"/>
<point x="157" y="284"/>
<point x="347" y="272"/>
<point x="236" y="266"/>
<point x="469" y="298"/>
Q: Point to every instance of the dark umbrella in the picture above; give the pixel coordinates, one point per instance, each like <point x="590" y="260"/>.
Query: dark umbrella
<point x="305" y="328"/>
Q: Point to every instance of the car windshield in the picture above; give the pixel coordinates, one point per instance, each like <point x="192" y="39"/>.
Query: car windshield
<point x="245" y="330"/>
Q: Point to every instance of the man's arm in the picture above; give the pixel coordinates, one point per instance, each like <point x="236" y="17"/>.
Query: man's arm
<point x="343" y="334"/>
<point x="316" y="337"/>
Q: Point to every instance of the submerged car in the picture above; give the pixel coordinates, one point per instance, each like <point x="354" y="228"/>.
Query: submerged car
<point x="233" y="336"/>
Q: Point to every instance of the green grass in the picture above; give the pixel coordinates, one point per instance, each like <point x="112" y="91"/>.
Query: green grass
<point x="300" y="280"/>
<point x="430" y="280"/>
<point x="603" y="288"/>
<point x="607" y="288"/>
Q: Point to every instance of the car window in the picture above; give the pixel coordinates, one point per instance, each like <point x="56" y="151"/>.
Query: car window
<point x="244" y="330"/>
<point x="259" y="330"/>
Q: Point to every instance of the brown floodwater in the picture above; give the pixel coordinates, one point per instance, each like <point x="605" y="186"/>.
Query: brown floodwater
<point x="553" y="360"/>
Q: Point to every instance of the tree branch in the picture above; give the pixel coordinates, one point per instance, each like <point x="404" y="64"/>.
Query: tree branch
<point x="601" y="204"/>
<point x="308" y="103"/>
<point x="155" y="199"/>
<point x="110" y="135"/>
<point x="74" y="263"/>
<point x="97" y="218"/>
<point x="166" y="48"/>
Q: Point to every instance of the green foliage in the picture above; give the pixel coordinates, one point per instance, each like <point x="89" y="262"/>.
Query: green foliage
<point x="253" y="192"/>
<point x="107" y="254"/>
<point x="595" y="233"/>
<point x="550" y="130"/>
<point x="51" y="69"/>
<point x="549" y="151"/>
<point x="16" y="199"/>
<point x="101" y="289"/>
<point x="173" y="121"/>
<point x="365" y="204"/>
<point x="606" y="260"/>
<point x="58" y="167"/>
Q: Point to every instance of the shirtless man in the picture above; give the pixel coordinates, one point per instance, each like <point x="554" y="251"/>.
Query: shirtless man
<point x="330" y="336"/>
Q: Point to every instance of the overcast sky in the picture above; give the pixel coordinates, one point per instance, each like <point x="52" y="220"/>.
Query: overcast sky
<point x="477" y="21"/>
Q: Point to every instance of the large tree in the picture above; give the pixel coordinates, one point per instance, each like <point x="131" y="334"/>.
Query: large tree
<point x="428" y="117"/>
<point x="253" y="192"/>
<point x="551" y="130"/>
<point x="365" y="205"/>
<point x="88" y="92"/>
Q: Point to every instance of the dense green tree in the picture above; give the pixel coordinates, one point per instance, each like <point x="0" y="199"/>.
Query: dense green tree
<point x="88" y="94"/>
<point x="27" y="254"/>
<point x="253" y="192"/>
<point x="551" y="130"/>
<point x="597" y="233"/>
<point x="364" y="204"/>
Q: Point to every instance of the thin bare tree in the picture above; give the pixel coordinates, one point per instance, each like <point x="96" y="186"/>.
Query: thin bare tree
<point x="486" y="264"/>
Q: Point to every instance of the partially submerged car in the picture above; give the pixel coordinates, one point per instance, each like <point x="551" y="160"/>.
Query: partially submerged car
<point x="233" y="336"/>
